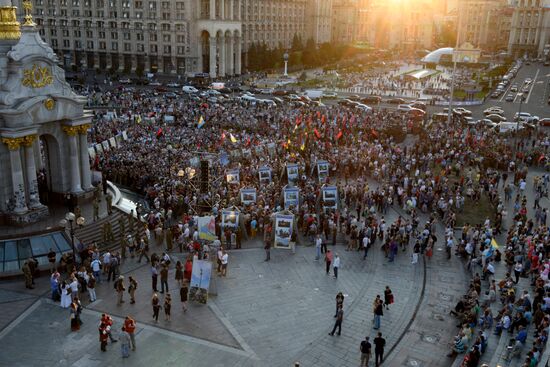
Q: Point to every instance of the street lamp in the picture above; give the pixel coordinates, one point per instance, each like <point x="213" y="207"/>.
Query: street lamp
<point x="285" y="58"/>
<point x="521" y="100"/>
<point x="70" y="218"/>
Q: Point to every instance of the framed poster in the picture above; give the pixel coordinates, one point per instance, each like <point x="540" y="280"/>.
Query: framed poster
<point x="292" y="172"/>
<point x="233" y="176"/>
<point x="264" y="174"/>
<point x="330" y="197"/>
<point x="291" y="197"/>
<point x="283" y="230"/>
<point x="200" y="281"/>
<point x="207" y="228"/>
<point x="99" y="148"/>
<point x="112" y="142"/>
<point x="248" y="196"/>
<point x="230" y="218"/>
<point x="105" y="145"/>
<point x="322" y="170"/>
<point x="271" y="149"/>
<point x="124" y="135"/>
<point x="91" y="152"/>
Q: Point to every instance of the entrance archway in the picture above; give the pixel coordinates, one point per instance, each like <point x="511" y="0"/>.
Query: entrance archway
<point x="50" y="174"/>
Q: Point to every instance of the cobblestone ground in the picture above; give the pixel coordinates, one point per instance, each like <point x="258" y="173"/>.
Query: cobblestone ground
<point x="265" y="314"/>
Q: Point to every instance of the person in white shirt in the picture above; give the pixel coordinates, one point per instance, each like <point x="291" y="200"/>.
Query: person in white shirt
<point x="225" y="259"/>
<point x="336" y="265"/>
<point x="366" y="243"/>
<point x="318" y="242"/>
<point x="96" y="268"/>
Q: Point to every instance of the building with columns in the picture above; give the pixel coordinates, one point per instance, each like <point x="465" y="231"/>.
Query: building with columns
<point x="174" y="36"/>
<point x="43" y="127"/>
<point x="530" y="29"/>
<point x="478" y="21"/>
<point x="345" y="21"/>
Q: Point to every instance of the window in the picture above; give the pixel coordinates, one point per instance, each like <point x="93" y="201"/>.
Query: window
<point x="165" y="16"/>
<point x="63" y="2"/>
<point x="140" y="47"/>
<point x="77" y="34"/>
<point x="53" y="32"/>
<point x="165" y="27"/>
<point x="166" y="38"/>
<point x="63" y="12"/>
<point x="76" y="13"/>
<point x="125" y="25"/>
<point x="139" y="36"/>
<point x="114" y="46"/>
<point x="138" y="25"/>
<point x="152" y="26"/>
<point x="128" y="47"/>
<point x="153" y="49"/>
<point x="113" y="25"/>
<point x="102" y="45"/>
<point x="77" y="44"/>
<point x="114" y="35"/>
<point x="153" y="37"/>
<point x="101" y="35"/>
<point x="66" y="43"/>
<point x="180" y="5"/>
<point x="167" y="49"/>
<point x="152" y="15"/>
<point x="90" y="45"/>
<point x="181" y="38"/>
<point x="100" y="4"/>
<point x="88" y="13"/>
<point x="76" y="2"/>
<point x="112" y="3"/>
<point x="54" y="43"/>
<point x="181" y="50"/>
<point x="89" y="34"/>
<point x="100" y="14"/>
<point x="126" y="36"/>
<point x="65" y="33"/>
<point x="165" y="5"/>
<point x="138" y="5"/>
<point x="100" y="24"/>
<point x="113" y="14"/>
<point x="152" y="5"/>
<point x="139" y="15"/>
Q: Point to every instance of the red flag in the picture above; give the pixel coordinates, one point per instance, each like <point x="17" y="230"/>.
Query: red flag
<point x="298" y="120"/>
<point x="317" y="133"/>
<point x="339" y="135"/>
<point x="323" y="119"/>
<point x="159" y="132"/>
<point x="248" y="142"/>
<point x="374" y="133"/>
<point x="318" y="114"/>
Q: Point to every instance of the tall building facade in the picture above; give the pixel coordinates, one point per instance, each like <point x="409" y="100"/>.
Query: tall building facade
<point x="174" y="36"/>
<point x="530" y="28"/>
<point x="345" y="21"/>
<point x="477" y="21"/>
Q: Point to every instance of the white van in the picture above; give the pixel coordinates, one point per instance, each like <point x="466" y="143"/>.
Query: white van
<point x="189" y="89"/>
<point x="506" y="126"/>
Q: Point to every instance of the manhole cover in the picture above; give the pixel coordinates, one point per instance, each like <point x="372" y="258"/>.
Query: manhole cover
<point x="430" y="338"/>
<point x="413" y="363"/>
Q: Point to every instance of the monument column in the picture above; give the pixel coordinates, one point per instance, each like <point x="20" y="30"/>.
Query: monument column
<point x="74" y="167"/>
<point x="17" y="180"/>
<point x="30" y="168"/>
<point x="222" y="57"/>
<point x="212" y="57"/>
<point x="237" y="55"/>
<point x="212" y="9"/>
<point x="229" y="56"/>
<point x="85" y="173"/>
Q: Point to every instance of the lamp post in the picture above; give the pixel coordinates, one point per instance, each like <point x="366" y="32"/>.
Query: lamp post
<point x="285" y="58"/>
<point x="70" y="218"/>
<point x="455" y="57"/>
<point x="522" y="98"/>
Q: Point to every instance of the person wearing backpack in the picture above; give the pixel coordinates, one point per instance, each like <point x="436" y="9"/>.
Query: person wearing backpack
<point x="365" y="348"/>
<point x="120" y="288"/>
<point x="132" y="289"/>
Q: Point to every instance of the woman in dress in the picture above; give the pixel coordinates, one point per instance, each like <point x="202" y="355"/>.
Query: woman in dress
<point x="188" y="269"/>
<point x="75" y="314"/>
<point x="184" y="290"/>
<point x="179" y="273"/>
<point x="65" y="295"/>
<point x="155" y="302"/>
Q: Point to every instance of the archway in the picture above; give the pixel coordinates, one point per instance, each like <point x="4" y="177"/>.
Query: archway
<point x="50" y="173"/>
<point x="205" y="51"/>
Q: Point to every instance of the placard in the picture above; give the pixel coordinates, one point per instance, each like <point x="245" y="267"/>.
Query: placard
<point x="264" y="174"/>
<point x="200" y="281"/>
<point x="330" y="197"/>
<point x="292" y="173"/>
<point x="283" y="230"/>
<point x="99" y="148"/>
<point x="322" y="170"/>
<point x="248" y="196"/>
<point x="233" y="177"/>
<point x="207" y="228"/>
<point x="124" y="135"/>
<point x="230" y="218"/>
<point x="291" y="197"/>
<point x="112" y="142"/>
<point x="105" y="145"/>
<point x="91" y="153"/>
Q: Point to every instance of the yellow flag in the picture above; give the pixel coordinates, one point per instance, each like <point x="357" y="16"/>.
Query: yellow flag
<point x="494" y="243"/>
<point x="303" y="146"/>
<point x="232" y="138"/>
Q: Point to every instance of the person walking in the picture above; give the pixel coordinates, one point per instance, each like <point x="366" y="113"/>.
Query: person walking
<point x="366" y="243"/>
<point x="124" y="339"/>
<point x="167" y="306"/>
<point x="130" y="327"/>
<point x="120" y="288"/>
<point x="28" y="275"/>
<point x="379" y="344"/>
<point x="225" y="260"/>
<point x="184" y="290"/>
<point x="267" y="243"/>
<point x="163" y="278"/>
<point x="378" y="312"/>
<point x="103" y="337"/>
<point x="96" y="269"/>
<point x="336" y="265"/>
<point x="365" y="349"/>
<point x="338" y="322"/>
<point x="388" y="297"/>
<point x="179" y="273"/>
<point x="328" y="261"/>
<point x="154" y="276"/>
<point x="155" y="302"/>
<point x="132" y="289"/>
<point x="339" y="302"/>
<point x="318" y="243"/>
<point x="91" y="287"/>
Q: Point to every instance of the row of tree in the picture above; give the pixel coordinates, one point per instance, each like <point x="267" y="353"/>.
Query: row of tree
<point x="310" y="55"/>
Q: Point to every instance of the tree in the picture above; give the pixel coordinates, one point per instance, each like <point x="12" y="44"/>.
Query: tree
<point x="252" y="57"/>
<point x="309" y="56"/>
<point x="297" y="43"/>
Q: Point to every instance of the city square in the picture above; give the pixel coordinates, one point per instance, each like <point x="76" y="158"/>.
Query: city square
<point x="275" y="183"/>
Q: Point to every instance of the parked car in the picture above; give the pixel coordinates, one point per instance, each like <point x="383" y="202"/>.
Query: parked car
<point x="267" y="91"/>
<point x="155" y="84"/>
<point x="521" y="115"/>
<point x="189" y="89"/>
<point x="404" y="108"/>
<point x="267" y="102"/>
<point x="125" y="81"/>
<point x="510" y="97"/>
<point x="495" y="118"/>
<point x="462" y="111"/>
<point x="280" y="92"/>
<point x="170" y="95"/>
<point x="372" y="99"/>
<point x="416" y="113"/>
<point x="419" y="105"/>
<point x="544" y="122"/>
<point x="330" y="95"/>
<point x="396" y="101"/>
<point x="514" y="88"/>
<point x="363" y="107"/>
<point x="173" y="85"/>
<point x="493" y="110"/>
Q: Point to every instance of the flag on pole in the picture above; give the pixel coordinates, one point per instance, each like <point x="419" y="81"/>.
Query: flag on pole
<point x="232" y="138"/>
<point x="317" y="133"/>
<point x="159" y="133"/>
<point x="303" y="146"/>
<point x="340" y="133"/>
<point x="494" y="243"/>
<point x="201" y="122"/>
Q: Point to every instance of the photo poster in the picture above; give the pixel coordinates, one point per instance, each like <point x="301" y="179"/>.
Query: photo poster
<point x="124" y="135"/>
<point x="194" y="162"/>
<point x="292" y="173"/>
<point x="271" y="149"/>
<point x="200" y="281"/>
<point x="283" y="230"/>
<point x="233" y="177"/>
<point x="330" y="197"/>
<point x="207" y="228"/>
<point x="99" y="148"/>
<point x="112" y="142"/>
<point x="119" y="140"/>
<point x="248" y="196"/>
<point x="91" y="152"/>
<point x="230" y="218"/>
<point x="322" y="170"/>
<point x="264" y="174"/>
<point x="291" y="196"/>
<point x="105" y="145"/>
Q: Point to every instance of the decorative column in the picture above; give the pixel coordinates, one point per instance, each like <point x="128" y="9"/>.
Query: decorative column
<point x="229" y="56"/>
<point x="212" y="9"/>
<point x="37" y="155"/>
<point x="200" y="67"/>
<point x="222" y="9"/>
<point x="237" y="55"/>
<point x="74" y="168"/>
<point x="18" y="202"/>
<point x="231" y="9"/>
<point x="85" y="173"/>
<point x="30" y="168"/>
<point x="222" y="56"/>
<point x="212" y="57"/>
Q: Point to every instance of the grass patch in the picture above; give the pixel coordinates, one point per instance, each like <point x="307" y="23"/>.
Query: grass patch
<point x="475" y="213"/>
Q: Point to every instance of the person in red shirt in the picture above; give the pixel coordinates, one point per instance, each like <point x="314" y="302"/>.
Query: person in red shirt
<point x="108" y="322"/>
<point x="328" y="260"/>
<point x="103" y="336"/>
<point x="188" y="269"/>
<point x="130" y="327"/>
